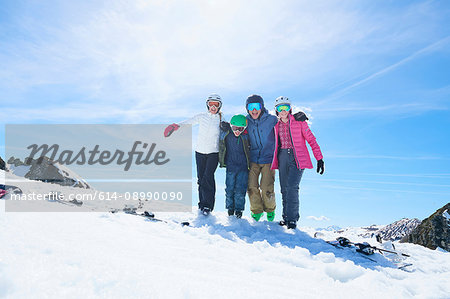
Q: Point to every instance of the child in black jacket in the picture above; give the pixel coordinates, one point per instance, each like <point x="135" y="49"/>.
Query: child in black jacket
<point x="234" y="155"/>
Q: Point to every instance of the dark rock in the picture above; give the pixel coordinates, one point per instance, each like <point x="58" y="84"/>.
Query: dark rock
<point x="2" y="164"/>
<point x="434" y="231"/>
<point x="373" y="227"/>
<point x="44" y="169"/>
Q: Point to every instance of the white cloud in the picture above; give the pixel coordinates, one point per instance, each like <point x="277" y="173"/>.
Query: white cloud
<point x="138" y="59"/>
<point x="144" y="54"/>
<point x="320" y="218"/>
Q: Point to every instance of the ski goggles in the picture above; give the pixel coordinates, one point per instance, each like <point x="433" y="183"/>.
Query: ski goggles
<point x="283" y="108"/>
<point x="239" y="129"/>
<point x="214" y="103"/>
<point x="253" y="106"/>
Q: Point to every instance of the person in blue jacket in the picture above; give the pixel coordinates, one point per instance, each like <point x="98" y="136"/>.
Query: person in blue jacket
<point x="262" y="142"/>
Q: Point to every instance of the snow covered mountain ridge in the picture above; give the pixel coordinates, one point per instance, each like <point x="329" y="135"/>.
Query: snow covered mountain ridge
<point x="46" y="170"/>
<point x="397" y="230"/>
<point x="391" y="232"/>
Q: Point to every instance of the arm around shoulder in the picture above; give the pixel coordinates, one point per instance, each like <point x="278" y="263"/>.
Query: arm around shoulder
<point x="300" y="116"/>
<point x="225" y="126"/>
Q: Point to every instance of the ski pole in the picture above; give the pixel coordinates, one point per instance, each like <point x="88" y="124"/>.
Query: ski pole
<point x="344" y="242"/>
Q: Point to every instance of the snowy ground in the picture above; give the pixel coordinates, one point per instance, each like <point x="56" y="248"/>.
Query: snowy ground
<point x="99" y="254"/>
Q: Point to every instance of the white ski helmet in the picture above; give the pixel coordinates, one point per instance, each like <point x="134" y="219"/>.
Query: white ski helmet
<point x="214" y="97"/>
<point x="282" y="101"/>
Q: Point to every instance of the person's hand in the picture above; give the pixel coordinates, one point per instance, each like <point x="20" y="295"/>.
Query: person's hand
<point x="225" y="126"/>
<point x="320" y="166"/>
<point x="300" y="116"/>
<point x="170" y="129"/>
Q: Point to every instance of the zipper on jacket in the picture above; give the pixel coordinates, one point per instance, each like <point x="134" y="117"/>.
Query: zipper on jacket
<point x="245" y="153"/>
<point x="276" y="150"/>
<point x="260" y="142"/>
<point x="293" y="146"/>
<point x="225" y="148"/>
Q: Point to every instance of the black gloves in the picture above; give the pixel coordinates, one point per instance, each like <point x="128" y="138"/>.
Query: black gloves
<point x="225" y="126"/>
<point x="300" y="116"/>
<point x="320" y="166"/>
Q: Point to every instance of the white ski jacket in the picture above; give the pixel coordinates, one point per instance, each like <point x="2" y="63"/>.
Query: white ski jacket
<point x="208" y="131"/>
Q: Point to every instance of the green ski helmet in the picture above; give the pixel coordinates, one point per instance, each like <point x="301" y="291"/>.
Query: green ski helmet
<point x="238" y="120"/>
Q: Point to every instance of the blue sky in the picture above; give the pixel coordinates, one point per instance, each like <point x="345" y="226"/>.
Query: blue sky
<point x="373" y="77"/>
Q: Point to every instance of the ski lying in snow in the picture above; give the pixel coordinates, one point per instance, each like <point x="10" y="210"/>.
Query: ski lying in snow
<point x="366" y="249"/>
<point x="337" y="244"/>
<point x="56" y="196"/>
<point x="403" y="267"/>
<point x="150" y="216"/>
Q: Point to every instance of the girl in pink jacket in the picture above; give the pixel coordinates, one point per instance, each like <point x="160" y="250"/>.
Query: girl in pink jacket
<point x="291" y="157"/>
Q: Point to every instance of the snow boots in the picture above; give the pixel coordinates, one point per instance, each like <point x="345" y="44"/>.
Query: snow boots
<point x="206" y="211"/>
<point x="270" y="216"/>
<point x="288" y="224"/>
<point x="257" y="216"/>
<point x="237" y="213"/>
<point x="291" y="225"/>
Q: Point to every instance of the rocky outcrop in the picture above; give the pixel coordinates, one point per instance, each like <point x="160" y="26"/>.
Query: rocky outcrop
<point x="434" y="231"/>
<point x="2" y="164"/>
<point x="46" y="170"/>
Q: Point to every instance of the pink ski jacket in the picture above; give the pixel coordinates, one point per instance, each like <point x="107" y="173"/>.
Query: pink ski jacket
<point x="300" y="133"/>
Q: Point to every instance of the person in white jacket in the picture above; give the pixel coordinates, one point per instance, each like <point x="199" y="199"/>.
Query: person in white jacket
<point x="206" y="151"/>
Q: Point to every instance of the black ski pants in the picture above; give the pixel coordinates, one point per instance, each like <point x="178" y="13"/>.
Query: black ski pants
<point x="206" y="167"/>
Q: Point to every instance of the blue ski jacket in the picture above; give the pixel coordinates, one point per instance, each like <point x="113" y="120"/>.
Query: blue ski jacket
<point x="262" y="138"/>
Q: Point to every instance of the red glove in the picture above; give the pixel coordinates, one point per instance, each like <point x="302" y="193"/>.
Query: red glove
<point x="170" y="129"/>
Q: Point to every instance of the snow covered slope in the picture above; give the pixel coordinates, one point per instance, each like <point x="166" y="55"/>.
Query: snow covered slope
<point x="89" y="198"/>
<point x="106" y="255"/>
